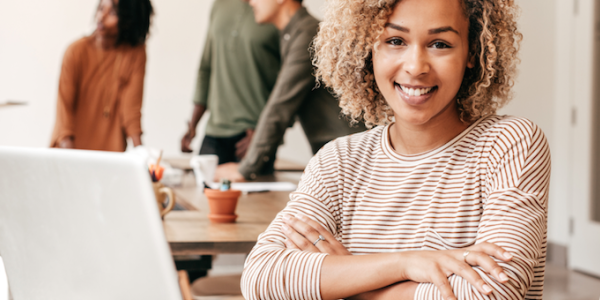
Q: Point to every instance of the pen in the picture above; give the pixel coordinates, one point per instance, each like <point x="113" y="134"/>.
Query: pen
<point x="259" y="191"/>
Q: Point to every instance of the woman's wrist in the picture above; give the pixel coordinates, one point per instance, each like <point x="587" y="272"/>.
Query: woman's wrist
<point x="136" y="140"/>
<point x="400" y="262"/>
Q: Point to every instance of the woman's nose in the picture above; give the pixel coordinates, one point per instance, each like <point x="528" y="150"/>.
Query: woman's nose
<point x="416" y="62"/>
<point x="102" y="14"/>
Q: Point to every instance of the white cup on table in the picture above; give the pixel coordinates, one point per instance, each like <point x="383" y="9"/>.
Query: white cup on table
<point x="204" y="167"/>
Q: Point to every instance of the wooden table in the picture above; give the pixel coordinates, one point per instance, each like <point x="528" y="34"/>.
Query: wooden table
<point x="191" y="233"/>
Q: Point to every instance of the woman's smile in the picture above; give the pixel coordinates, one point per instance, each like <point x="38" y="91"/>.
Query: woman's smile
<point x="415" y="95"/>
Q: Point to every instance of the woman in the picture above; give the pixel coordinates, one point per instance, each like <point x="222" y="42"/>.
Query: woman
<point x="102" y="80"/>
<point x="446" y="201"/>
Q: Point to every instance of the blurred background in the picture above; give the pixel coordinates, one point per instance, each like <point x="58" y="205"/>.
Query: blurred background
<point x="555" y="89"/>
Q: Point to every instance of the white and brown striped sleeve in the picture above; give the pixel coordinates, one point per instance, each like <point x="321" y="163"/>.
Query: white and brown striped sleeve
<point x="273" y="272"/>
<point x="514" y="214"/>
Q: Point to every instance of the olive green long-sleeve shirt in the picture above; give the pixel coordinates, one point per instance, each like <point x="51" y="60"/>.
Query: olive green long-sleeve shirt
<point x="295" y="94"/>
<point x="238" y="68"/>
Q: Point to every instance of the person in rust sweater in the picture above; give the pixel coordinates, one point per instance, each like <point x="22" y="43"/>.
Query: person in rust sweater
<point x="102" y="80"/>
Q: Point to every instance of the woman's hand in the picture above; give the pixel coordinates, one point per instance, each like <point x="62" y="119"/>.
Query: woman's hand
<point x="242" y="146"/>
<point x="186" y="140"/>
<point x="66" y="143"/>
<point x="303" y="232"/>
<point x="436" y="266"/>
<point x="229" y="171"/>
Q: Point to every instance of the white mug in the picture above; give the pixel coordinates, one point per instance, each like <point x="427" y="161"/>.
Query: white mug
<point x="204" y="167"/>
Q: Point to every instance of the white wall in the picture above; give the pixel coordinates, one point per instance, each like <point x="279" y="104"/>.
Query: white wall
<point x="35" y="33"/>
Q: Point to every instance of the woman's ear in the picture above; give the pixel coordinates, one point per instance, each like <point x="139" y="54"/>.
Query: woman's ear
<point x="471" y="60"/>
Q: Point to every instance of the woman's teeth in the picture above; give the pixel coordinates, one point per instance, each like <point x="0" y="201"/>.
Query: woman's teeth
<point x="416" y="92"/>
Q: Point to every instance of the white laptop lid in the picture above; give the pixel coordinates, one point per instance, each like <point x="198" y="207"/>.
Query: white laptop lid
<point x="81" y="225"/>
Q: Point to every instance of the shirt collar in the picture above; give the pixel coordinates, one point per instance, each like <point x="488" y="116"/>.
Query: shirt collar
<point x="299" y="15"/>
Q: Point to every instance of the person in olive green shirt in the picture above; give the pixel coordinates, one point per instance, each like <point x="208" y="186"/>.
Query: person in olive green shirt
<point x="238" y="70"/>
<point x="294" y="94"/>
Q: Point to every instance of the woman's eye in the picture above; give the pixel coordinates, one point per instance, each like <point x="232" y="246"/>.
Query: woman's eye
<point x="440" y="45"/>
<point x="395" y="42"/>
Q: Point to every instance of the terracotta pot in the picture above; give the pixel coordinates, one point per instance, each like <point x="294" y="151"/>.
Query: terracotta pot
<point x="222" y="205"/>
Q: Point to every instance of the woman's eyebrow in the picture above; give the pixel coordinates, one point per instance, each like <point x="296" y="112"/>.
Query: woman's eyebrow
<point x="443" y="29"/>
<point x="397" y="27"/>
<point x="431" y="31"/>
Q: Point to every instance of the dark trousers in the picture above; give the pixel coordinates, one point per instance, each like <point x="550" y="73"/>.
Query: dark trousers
<point x="224" y="148"/>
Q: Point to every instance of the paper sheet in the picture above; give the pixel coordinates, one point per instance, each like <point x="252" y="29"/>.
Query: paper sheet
<point x="255" y="187"/>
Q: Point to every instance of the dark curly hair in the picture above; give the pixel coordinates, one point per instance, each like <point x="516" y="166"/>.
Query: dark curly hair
<point x="134" y="21"/>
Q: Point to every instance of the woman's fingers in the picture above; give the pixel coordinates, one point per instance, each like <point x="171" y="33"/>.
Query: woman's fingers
<point x="290" y="245"/>
<point x="483" y="260"/>
<point x="315" y="235"/>
<point x="302" y="227"/>
<point x="492" y="250"/>
<point x="481" y="255"/>
<point x="316" y="226"/>
<point x="330" y="244"/>
<point x="467" y="272"/>
<point x="299" y="240"/>
<point x="441" y="282"/>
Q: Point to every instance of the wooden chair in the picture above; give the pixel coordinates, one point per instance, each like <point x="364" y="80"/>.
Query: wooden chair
<point x="210" y="288"/>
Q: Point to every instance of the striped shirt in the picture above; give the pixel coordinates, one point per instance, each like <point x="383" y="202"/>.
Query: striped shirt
<point x="489" y="183"/>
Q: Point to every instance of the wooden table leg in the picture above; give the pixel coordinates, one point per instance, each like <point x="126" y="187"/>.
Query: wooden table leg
<point x="184" y="285"/>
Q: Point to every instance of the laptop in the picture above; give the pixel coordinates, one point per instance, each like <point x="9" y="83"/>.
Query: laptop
<point x="81" y="225"/>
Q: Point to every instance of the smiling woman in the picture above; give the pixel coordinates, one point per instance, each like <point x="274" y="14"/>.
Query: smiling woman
<point x="486" y="86"/>
<point x="444" y="199"/>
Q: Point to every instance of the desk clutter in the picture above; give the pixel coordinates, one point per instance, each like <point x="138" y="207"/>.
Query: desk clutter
<point x="204" y="166"/>
<point x="222" y="203"/>
<point x="260" y="187"/>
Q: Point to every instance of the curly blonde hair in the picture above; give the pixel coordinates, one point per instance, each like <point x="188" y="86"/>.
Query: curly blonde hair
<point x="349" y="34"/>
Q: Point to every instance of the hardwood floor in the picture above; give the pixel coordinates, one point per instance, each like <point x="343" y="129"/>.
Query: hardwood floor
<point x="562" y="284"/>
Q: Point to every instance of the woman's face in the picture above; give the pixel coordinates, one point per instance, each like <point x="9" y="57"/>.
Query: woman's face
<point x="106" y="19"/>
<point x="421" y="59"/>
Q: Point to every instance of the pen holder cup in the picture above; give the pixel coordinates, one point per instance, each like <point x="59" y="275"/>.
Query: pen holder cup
<point x="163" y="193"/>
<point x="222" y="204"/>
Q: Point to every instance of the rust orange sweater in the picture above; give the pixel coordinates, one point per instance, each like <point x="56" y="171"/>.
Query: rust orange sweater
<point x="100" y="95"/>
